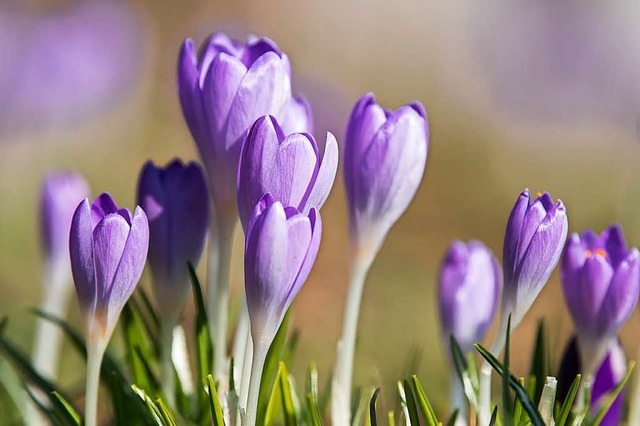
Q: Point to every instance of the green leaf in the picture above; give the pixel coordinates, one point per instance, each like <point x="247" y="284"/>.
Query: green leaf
<point x="494" y="416"/>
<point x="372" y="408"/>
<point x="290" y="418"/>
<point x="507" y="409"/>
<point x="362" y="398"/>
<point x="214" y="403"/>
<point x="540" y="361"/>
<point x="65" y="409"/>
<point x="167" y="417"/>
<point x="425" y="406"/>
<point x="136" y="348"/>
<point x="153" y="409"/>
<point x="568" y="401"/>
<point x="411" y="404"/>
<point x="521" y="393"/>
<point x="271" y="368"/>
<point x="453" y="418"/>
<point x="314" y="415"/>
<point x="392" y="418"/>
<point x="463" y="368"/>
<point x="517" y="409"/>
<point x="611" y="396"/>
<point x="204" y="349"/>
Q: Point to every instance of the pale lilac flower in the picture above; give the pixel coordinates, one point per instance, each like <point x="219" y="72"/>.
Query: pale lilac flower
<point x="290" y="168"/>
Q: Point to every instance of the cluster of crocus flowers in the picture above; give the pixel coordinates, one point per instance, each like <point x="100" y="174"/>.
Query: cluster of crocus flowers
<point x="280" y="249"/>
<point x="601" y="284"/>
<point x="385" y="154"/>
<point x="108" y="248"/>
<point x="222" y="92"/>
<point x="176" y="202"/>
<point x="469" y="287"/>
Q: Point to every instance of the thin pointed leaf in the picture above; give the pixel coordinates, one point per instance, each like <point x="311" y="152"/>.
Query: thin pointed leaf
<point x="494" y="416"/>
<point x="611" y="397"/>
<point x="517" y="409"/>
<point x="453" y="418"/>
<point x="314" y="415"/>
<point x="372" y="408"/>
<point x="521" y="393"/>
<point x="360" y="410"/>
<point x="290" y="418"/>
<point x="392" y="418"/>
<point x="165" y="413"/>
<point x="411" y="404"/>
<point x="403" y="403"/>
<point x="204" y="348"/>
<point x="463" y="368"/>
<point x="153" y="409"/>
<point x="507" y="416"/>
<point x="540" y="361"/>
<point x="214" y="403"/>
<point x="64" y="407"/>
<point x="425" y="406"/>
<point x="136" y="348"/>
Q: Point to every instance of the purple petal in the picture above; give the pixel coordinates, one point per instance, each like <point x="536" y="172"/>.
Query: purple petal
<point x="622" y="295"/>
<point x="512" y="237"/>
<point x="615" y="244"/>
<point x="102" y="206"/>
<point x="312" y="251"/>
<point x="321" y="188"/>
<point x="610" y="373"/>
<point x="81" y="254"/>
<point x="130" y="265"/>
<point x="532" y="220"/>
<point x="588" y="296"/>
<point x="297" y="117"/>
<point x="189" y="91"/>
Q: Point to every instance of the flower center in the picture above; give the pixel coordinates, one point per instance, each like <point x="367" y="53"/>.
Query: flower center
<point x="596" y="252"/>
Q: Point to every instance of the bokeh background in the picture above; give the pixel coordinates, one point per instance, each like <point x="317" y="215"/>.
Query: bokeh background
<point x="542" y="94"/>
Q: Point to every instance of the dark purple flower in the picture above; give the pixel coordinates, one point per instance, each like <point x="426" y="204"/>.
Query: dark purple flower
<point x="536" y="233"/>
<point x="59" y="198"/>
<point x="281" y="247"/>
<point x="108" y="248"/>
<point x="297" y="117"/>
<point x="385" y="154"/>
<point x="601" y="284"/>
<point x="222" y="92"/>
<point x="176" y="202"/>
<point x="289" y="168"/>
<point x="610" y="373"/>
<point x="468" y="292"/>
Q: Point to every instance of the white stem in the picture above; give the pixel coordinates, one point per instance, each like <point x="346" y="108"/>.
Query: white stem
<point x="241" y="345"/>
<point x="246" y="370"/>
<point x="167" y="372"/>
<point x="485" y="370"/>
<point x="260" y="351"/>
<point x="343" y="375"/>
<point x="634" y="406"/>
<point x="55" y="300"/>
<point x="180" y="357"/>
<point x="95" y="352"/>
<point x="548" y="400"/>
<point x="458" y="400"/>
<point x="220" y="245"/>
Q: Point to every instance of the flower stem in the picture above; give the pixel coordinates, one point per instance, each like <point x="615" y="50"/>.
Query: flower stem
<point x="458" y="400"/>
<point x="343" y="375"/>
<point x="95" y="352"/>
<point x="485" y="370"/>
<point x="167" y="372"/>
<point x="260" y="351"/>
<point x="220" y="245"/>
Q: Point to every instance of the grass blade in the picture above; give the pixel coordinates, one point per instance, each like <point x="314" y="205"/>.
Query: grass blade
<point x="214" y="403"/>
<point x="373" y="418"/>
<point x="66" y="409"/>
<point x="507" y="408"/>
<point x="540" y="361"/>
<point x="425" y="405"/>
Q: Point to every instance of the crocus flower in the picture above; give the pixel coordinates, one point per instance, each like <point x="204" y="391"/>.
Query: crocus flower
<point x="289" y="168"/>
<point x="60" y="195"/>
<point x="222" y="92"/>
<point x="384" y="159"/>
<point x="601" y="284"/>
<point x="468" y="292"/>
<point x="176" y="202"/>
<point x="536" y="233"/>
<point x="610" y="372"/>
<point x="280" y="249"/>
<point x="108" y="248"/>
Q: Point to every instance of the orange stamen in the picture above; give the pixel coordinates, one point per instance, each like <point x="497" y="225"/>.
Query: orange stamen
<point x="539" y="195"/>
<point x="596" y="252"/>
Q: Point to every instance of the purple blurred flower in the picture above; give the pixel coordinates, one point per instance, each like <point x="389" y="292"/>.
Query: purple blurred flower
<point x="108" y="248"/>
<point x="289" y="168"/>
<point x="610" y="372"/>
<point x="298" y="117"/>
<point x="385" y="154"/>
<point x="60" y="68"/>
<point x="60" y="195"/>
<point x="468" y="292"/>
<point x="176" y="202"/>
<point x="535" y="235"/>
<point x="281" y="247"/>
<point x="223" y="92"/>
<point x="601" y="284"/>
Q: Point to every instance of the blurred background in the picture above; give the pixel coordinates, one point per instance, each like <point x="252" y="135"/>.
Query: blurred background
<point x="542" y="94"/>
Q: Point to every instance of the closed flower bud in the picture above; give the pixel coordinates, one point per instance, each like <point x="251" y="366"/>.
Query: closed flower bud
<point x="108" y="248"/>
<point x="290" y="168"/>
<point x="281" y="247"/>
<point x="601" y="284"/>
<point x="536" y="233"/>
<point x="61" y="193"/>
<point x="176" y="202"/>
<point x="297" y="117"/>
<point x="384" y="159"/>
<point x="468" y="292"/>
<point x="222" y="92"/>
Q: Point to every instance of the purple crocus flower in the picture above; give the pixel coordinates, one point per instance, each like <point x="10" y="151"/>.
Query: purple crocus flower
<point x="176" y="202"/>
<point x="468" y="292"/>
<point x="601" y="284"/>
<point x="536" y="233"/>
<point x="384" y="159"/>
<point x="289" y="168"/>
<point x="610" y="372"/>
<point x="108" y="248"/>
<point x="222" y="92"/>
<point x="281" y="245"/>
<point x="60" y="195"/>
